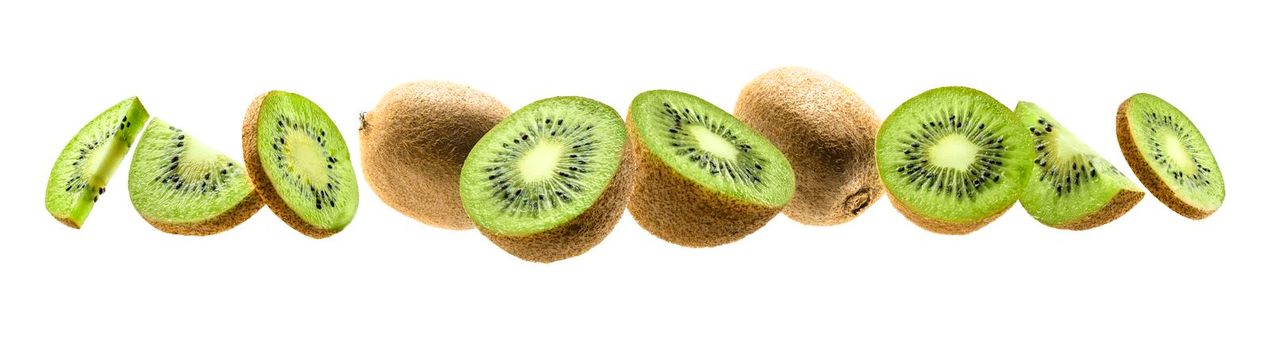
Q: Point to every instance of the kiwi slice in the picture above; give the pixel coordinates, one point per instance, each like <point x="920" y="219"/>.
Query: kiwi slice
<point x="703" y="178"/>
<point x="414" y="142"/>
<point x="80" y="174"/>
<point x="827" y="131"/>
<point x="297" y="160"/>
<point x="1169" y="155"/>
<point x="1072" y="187"/>
<point x="550" y="181"/>
<point x="183" y="186"/>
<point x="953" y="159"/>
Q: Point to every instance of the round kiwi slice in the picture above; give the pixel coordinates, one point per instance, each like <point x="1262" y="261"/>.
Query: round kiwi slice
<point x="1169" y="155"/>
<point x="183" y="186"/>
<point x="551" y="180"/>
<point x="81" y="171"/>
<point x="414" y="142"/>
<point x="953" y="159"/>
<point x="1072" y="187"/>
<point x="703" y="178"/>
<point x="297" y="160"/>
<point x="828" y="134"/>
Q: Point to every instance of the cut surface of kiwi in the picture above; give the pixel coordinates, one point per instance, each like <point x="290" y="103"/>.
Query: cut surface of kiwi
<point x="1170" y="156"/>
<point x="704" y="178"/>
<point x="953" y="159"/>
<point x="1071" y="187"/>
<point x="298" y="161"/>
<point x="183" y="186"/>
<point x="81" y="171"/>
<point x="549" y="181"/>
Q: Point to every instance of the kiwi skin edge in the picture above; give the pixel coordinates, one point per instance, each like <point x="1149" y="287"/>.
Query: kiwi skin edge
<point x="679" y="211"/>
<point x="1149" y="178"/>
<point x="227" y="220"/>
<point x="945" y="227"/>
<point x="583" y="232"/>
<point x="260" y="181"/>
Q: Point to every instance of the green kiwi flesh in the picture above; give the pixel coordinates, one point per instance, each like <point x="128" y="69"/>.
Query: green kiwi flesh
<point x="1170" y="156"/>
<point x="1071" y="187"/>
<point x="953" y="159"/>
<point x="84" y="167"/>
<point x="298" y="161"/>
<point x="183" y="186"/>
<point x="550" y="180"/>
<point x="704" y="178"/>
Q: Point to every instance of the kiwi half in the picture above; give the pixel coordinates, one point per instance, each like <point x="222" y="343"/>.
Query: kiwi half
<point x="298" y="162"/>
<point x="180" y="185"/>
<point x="1072" y="187"/>
<point x="703" y="177"/>
<point x="1170" y="156"/>
<point x="81" y="171"/>
<point x="414" y="142"/>
<point x="828" y="134"/>
<point x="953" y="159"/>
<point x="551" y="180"/>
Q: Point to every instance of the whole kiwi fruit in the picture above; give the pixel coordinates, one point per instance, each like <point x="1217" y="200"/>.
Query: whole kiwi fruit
<point x="826" y="131"/>
<point x="414" y="142"/>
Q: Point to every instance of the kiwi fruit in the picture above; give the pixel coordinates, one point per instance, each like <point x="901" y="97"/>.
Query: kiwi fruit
<point x="550" y="181"/>
<point x="84" y="167"/>
<point x="180" y="185"/>
<point x="953" y="159"/>
<point x="703" y="178"/>
<point x="1169" y="155"/>
<point x="414" y="143"/>
<point x="828" y="134"/>
<point x="298" y="162"/>
<point x="1071" y="187"/>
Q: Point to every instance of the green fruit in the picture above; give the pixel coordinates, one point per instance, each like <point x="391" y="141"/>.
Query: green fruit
<point x="703" y="177"/>
<point x="88" y="161"/>
<point x="1169" y="155"/>
<point x="953" y="159"/>
<point x="550" y="181"/>
<point x="182" y="186"/>
<point x="297" y="160"/>
<point x="1072" y="187"/>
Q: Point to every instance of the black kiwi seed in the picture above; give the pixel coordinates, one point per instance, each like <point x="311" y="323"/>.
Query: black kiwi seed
<point x="746" y="169"/>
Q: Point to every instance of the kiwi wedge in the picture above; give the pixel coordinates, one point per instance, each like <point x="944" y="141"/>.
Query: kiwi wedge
<point x="297" y="160"/>
<point x="827" y="131"/>
<point x="84" y="167"/>
<point x="550" y="181"/>
<point x="703" y="177"/>
<point x="1072" y="187"/>
<point x="953" y="159"/>
<point x="1170" y="156"/>
<point x="180" y="185"/>
<point x="414" y="143"/>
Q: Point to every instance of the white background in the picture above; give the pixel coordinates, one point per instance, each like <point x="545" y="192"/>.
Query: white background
<point x="1152" y="279"/>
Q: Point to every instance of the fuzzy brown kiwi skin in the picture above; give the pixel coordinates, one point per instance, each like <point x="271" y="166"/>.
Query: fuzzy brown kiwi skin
<point x="260" y="181"/>
<point x="944" y="227"/>
<point x="414" y="142"/>
<point x="826" y="131"/>
<point x="227" y="220"/>
<point x="1138" y="162"/>
<point x="583" y="232"/>
<point x="1117" y="207"/>
<point x="679" y="211"/>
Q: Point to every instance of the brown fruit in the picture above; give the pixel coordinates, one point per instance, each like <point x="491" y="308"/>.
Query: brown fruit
<point x="414" y="142"/>
<point x="826" y="131"/>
